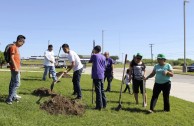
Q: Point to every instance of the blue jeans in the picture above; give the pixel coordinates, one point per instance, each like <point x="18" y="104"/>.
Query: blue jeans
<point x="100" y="96"/>
<point x="13" y="85"/>
<point x="49" y="69"/>
<point x="76" y="82"/>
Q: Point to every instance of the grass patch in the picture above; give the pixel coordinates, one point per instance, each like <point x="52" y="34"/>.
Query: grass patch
<point x="29" y="62"/>
<point x="27" y="112"/>
<point x="182" y="73"/>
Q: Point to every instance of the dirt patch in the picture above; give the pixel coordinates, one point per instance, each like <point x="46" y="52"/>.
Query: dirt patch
<point x="62" y="105"/>
<point x="42" y="92"/>
<point x="64" y="76"/>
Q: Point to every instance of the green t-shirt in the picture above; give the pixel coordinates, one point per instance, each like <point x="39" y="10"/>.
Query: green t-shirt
<point x="160" y="77"/>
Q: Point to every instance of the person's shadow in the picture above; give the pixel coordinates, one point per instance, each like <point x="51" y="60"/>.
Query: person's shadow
<point x="31" y="79"/>
<point x="129" y="109"/>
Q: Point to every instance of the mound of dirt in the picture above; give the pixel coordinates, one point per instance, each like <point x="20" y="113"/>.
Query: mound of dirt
<point x="64" y="75"/>
<point x="42" y="92"/>
<point x="62" y="105"/>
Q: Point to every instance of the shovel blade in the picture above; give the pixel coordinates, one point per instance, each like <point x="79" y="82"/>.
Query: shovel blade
<point x="119" y="107"/>
<point x="52" y="86"/>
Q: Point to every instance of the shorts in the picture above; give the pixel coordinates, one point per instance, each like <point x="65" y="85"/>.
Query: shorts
<point x="136" y="85"/>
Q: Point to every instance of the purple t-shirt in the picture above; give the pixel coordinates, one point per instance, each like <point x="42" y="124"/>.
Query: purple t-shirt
<point x="109" y="63"/>
<point x="98" y="66"/>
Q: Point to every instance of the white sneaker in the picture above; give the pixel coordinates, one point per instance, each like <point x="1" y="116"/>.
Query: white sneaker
<point x="9" y="103"/>
<point x="150" y="111"/>
<point x="18" y="97"/>
<point x="144" y="105"/>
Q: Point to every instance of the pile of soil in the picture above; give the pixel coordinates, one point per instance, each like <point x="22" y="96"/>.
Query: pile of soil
<point x="62" y="105"/>
<point x="42" y="92"/>
<point x="64" y="75"/>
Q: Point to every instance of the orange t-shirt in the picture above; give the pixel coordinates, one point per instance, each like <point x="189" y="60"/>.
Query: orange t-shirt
<point x="15" y="51"/>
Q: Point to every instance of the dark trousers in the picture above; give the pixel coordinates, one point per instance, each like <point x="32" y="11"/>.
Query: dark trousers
<point x="109" y="78"/>
<point x="76" y="82"/>
<point x="100" y="96"/>
<point x="137" y="84"/>
<point x="127" y="87"/>
<point x="165" y="88"/>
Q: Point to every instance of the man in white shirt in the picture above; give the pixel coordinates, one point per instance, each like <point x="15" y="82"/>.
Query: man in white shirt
<point x="49" y="63"/>
<point x="77" y="67"/>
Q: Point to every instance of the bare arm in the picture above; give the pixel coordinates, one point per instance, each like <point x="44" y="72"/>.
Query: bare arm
<point x="151" y="75"/>
<point x="130" y="73"/>
<point x="71" y="66"/>
<point x="169" y="73"/>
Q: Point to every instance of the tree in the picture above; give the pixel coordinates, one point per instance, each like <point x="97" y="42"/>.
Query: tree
<point x="114" y="57"/>
<point x="80" y="56"/>
<point x="2" y="59"/>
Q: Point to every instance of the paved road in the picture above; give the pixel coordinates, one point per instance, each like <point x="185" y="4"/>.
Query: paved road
<point x="182" y="85"/>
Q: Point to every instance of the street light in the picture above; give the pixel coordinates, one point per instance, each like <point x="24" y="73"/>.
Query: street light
<point x="184" y="15"/>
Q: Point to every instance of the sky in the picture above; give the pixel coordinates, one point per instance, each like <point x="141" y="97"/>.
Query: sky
<point x="129" y="26"/>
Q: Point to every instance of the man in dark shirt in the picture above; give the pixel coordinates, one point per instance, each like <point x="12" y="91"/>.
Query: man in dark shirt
<point x="108" y="71"/>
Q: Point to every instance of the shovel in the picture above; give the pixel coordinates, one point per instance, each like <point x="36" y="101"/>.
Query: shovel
<point x="144" y="88"/>
<point x="54" y="82"/>
<point x="120" y="106"/>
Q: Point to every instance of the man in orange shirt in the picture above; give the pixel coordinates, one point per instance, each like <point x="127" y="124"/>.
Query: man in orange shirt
<point x="15" y="69"/>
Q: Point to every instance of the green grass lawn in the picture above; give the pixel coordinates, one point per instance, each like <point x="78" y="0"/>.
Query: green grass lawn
<point x="182" y="73"/>
<point x="27" y="112"/>
<point x="29" y="62"/>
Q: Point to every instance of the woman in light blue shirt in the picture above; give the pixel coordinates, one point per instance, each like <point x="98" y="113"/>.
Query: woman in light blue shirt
<point x="163" y="72"/>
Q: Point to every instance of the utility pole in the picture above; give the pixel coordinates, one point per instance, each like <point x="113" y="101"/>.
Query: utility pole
<point x="93" y="43"/>
<point x="151" y="45"/>
<point x="184" y="15"/>
<point x="102" y="41"/>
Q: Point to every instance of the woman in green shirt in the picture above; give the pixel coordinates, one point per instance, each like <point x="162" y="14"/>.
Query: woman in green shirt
<point x="163" y="72"/>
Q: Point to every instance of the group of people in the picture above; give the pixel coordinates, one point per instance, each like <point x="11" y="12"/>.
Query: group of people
<point x="162" y="72"/>
<point x="102" y="69"/>
<point x="75" y="64"/>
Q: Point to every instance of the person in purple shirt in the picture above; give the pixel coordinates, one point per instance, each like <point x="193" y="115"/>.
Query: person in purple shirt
<point x="98" y="68"/>
<point x="108" y="71"/>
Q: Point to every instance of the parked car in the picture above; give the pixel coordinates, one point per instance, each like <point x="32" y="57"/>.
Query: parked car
<point x="190" y="68"/>
<point x="60" y="64"/>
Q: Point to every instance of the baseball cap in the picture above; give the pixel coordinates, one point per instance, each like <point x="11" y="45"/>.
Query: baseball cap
<point x="161" y="56"/>
<point x="139" y="55"/>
